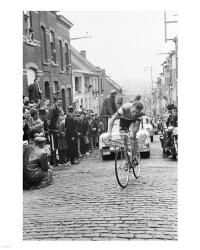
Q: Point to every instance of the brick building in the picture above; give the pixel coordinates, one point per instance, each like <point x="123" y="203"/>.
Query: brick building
<point x="46" y="54"/>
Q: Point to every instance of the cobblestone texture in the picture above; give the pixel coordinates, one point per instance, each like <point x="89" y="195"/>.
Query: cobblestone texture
<point x="86" y="203"/>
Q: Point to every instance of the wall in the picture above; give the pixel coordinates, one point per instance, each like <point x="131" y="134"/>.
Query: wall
<point x="47" y="72"/>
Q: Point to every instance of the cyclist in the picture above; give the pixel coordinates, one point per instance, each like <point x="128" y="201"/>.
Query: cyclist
<point x="130" y="117"/>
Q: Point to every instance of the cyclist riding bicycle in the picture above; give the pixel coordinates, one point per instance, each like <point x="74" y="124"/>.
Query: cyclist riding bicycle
<point x="130" y="117"/>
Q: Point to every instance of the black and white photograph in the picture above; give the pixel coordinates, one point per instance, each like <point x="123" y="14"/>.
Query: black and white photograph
<point x="100" y="159"/>
<point x="100" y="125"/>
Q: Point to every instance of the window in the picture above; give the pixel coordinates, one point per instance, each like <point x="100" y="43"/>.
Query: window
<point x="44" y="43"/>
<point x="63" y="100"/>
<point x="47" y="90"/>
<point x="87" y="84"/>
<point x="77" y="85"/>
<point x="69" y="96"/>
<point x="31" y="75"/>
<point x="61" y="55"/>
<point x="53" y="47"/>
<point x="29" y="25"/>
<point x="67" y="56"/>
<point x="56" y="88"/>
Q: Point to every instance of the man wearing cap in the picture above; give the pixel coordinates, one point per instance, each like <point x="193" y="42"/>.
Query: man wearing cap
<point x="71" y="136"/>
<point x="37" y="172"/>
<point x="109" y="108"/>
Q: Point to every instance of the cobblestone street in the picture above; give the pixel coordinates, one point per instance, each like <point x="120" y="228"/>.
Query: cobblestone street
<point x="86" y="203"/>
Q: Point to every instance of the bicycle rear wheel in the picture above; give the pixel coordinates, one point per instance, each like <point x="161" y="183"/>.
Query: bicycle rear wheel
<point x="137" y="165"/>
<point x="122" y="167"/>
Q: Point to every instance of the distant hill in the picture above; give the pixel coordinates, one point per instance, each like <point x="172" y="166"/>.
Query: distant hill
<point x="132" y="87"/>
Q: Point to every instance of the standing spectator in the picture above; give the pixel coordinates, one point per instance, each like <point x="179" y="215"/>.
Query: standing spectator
<point x="96" y="137"/>
<point x="34" y="91"/>
<point x="47" y="106"/>
<point x="26" y="117"/>
<point x="94" y="129"/>
<point x="79" y="135"/>
<point x="100" y="128"/>
<point x="54" y="112"/>
<point x="84" y="131"/>
<point x="62" y="143"/>
<point x="89" y="133"/>
<point x="71" y="135"/>
<point x="109" y="108"/>
<point x="119" y="102"/>
<point x="44" y="118"/>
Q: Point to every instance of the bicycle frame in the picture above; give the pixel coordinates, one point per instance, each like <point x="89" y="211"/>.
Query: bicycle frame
<point x="125" y="143"/>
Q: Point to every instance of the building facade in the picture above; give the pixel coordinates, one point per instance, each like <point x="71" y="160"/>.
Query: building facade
<point x="166" y="90"/>
<point x="85" y="80"/>
<point x="46" y="55"/>
<point x="90" y="83"/>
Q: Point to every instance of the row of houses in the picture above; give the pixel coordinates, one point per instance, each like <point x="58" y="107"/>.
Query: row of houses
<point x="166" y="89"/>
<point x="63" y="71"/>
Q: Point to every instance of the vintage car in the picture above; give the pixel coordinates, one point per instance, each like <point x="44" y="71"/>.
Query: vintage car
<point x="143" y="138"/>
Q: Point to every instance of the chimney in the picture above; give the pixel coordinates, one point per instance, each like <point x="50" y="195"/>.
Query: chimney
<point x="83" y="53"/>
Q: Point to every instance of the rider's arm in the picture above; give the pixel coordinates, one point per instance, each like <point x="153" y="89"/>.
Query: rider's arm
<point x="111" y="122"/>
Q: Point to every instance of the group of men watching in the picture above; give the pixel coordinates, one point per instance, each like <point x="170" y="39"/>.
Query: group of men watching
<point x="63" y="138"/>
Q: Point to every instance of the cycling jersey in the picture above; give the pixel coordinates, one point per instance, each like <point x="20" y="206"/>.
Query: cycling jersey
<point x="126" y="116"/>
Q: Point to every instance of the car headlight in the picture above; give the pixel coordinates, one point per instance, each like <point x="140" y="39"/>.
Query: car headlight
<point x="142" y="137"/>
<point x="105" y="140"/>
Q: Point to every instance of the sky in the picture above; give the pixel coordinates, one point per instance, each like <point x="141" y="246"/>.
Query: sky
<point x="124" y="43"/>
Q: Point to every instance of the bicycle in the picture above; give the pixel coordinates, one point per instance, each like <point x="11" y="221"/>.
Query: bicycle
<point x="124" y="162"/>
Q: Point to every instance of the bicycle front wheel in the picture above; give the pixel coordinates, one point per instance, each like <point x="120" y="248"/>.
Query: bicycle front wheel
<point x="122" y="167"/>
<point x="137" y="165"/>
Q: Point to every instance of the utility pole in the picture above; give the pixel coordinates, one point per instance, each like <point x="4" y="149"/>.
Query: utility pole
<point x="165" y="26"/>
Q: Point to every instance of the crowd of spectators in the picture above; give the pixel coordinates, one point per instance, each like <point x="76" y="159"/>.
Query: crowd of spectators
<point x="68" y="137"/>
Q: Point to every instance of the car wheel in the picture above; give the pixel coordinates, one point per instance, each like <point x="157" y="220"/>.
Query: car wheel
<point x="145" y="154"/>
<point x="151" y="138"/>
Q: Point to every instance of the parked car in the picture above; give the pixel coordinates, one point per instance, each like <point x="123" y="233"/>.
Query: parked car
<point x="142" y="136"/>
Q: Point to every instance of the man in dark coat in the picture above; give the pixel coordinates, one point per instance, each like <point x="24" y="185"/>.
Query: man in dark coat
<point x="54" y="112"/>
<point x="71" y="135"/>
<point x="109" y="108"/>
<point x="34" y="91"/>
